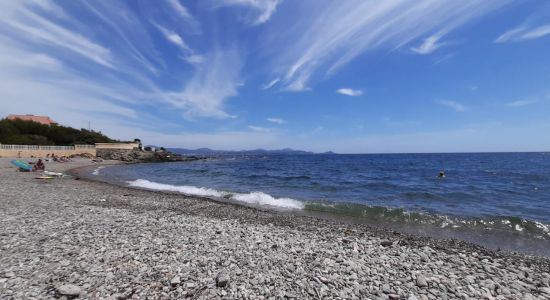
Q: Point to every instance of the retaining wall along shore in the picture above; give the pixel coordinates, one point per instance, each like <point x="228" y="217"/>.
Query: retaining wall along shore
<point x="41" y="151"/>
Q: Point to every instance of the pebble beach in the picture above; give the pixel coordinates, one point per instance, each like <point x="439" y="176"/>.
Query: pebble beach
<point x="69" y="237"/>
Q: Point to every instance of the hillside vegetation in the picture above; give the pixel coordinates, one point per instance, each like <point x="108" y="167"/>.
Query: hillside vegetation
<point x="21" y="132"/>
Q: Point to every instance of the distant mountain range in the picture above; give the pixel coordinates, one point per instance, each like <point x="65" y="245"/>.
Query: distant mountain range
<point x="208" y="151"/>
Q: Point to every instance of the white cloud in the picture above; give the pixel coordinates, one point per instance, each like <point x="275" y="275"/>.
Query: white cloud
<point x="47" y="67"/>
<point x="264" y="8"/>
<point x="429" y="45"/>
<point x="349" y="92"/>
<point x="338" y="32"/>
<point x="183" y="14"/>
<point x="214" y="81"/>
<point x="129" y="30"/>
<point x="453" y="105"/>
<point x="509" y="35"/>
<point x="537" y="32"/>
<point x="443" y="58"/>
<point x="524" y="33"/>
<point x="258" y="128"/>
<point x="271" y="84"/>
<point x="276" y="120"/>
<point x="179" y="8"/>
<point x="173" y="37"/>
<point x="42" y="85"/>
<point x="39" y="30"/>
<point x="520" y="103"/>
<point x="194" y="59"/>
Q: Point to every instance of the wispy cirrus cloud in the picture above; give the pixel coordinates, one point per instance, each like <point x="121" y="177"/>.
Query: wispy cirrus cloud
<point x="523" y="34"/>
<point x="22" y="21"/>
<point x="258" y="128"/>
<point x="349" y="92"/>
<point x="276" y="120"/>
<point x="429" y="45"/>
<point x="456" y="106"/>
<point x="520" y="103"/>
<point x="214" y="81"/>
<point x="535" y="26"/>
<point x="263" y="9"/>
<point x="271" y="84"/>
<point x="338" y="32"/>
<point x="173" y="37"/>
<point x="183" y="13"/>
<point x="108" y="72"/>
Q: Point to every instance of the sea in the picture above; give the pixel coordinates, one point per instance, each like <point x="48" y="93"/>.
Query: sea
<point x="497" y="200"/>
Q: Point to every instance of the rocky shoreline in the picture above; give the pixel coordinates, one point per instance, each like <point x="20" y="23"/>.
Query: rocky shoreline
<point x="69" y="238"/>
<point x="141" y="156"/>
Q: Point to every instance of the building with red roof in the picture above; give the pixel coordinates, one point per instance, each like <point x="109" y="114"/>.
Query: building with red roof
<point x="45" y="120"/>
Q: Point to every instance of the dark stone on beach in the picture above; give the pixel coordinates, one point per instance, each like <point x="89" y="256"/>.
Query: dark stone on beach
<point x="274" y="246"/>
<point x="222" y="279"/>
<point x="386" y="243"/>
<point x="68" y="290"/>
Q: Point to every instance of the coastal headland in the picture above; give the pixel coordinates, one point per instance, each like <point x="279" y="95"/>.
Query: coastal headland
<point x="68" y="238"/>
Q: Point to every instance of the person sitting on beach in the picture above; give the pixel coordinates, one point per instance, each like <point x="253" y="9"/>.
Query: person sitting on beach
<point x="39" y="166"/>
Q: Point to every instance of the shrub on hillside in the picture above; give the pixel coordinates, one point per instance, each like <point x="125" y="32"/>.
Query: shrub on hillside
<point x="21" y="132"/>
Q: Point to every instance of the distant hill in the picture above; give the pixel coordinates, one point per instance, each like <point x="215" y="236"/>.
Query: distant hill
<point x="20" y="132"/>
<point x="208" y="151"/>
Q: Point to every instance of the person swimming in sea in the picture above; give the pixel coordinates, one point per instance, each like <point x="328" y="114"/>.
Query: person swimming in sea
<point x="441" y="174"/>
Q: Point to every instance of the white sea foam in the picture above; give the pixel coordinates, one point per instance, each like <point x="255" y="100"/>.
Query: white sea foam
<point x="260" y="198"/>
<point x="544" y="227"/>
<point x="96" y="171"/>
<point x="185" y="189"/>
<point x="256" y="198"/>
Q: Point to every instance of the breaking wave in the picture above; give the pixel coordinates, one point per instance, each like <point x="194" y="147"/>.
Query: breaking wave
<point x="96" y="171"/>
<point x="254" y="198"/>
<point x="386" y="215"/>
<point x="377" y="214"/>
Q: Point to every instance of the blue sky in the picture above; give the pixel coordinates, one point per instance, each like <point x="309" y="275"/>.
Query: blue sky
<point x="351" y="76"/>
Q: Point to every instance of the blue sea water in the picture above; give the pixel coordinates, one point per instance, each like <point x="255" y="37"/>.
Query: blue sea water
<point x="500" y="200"/>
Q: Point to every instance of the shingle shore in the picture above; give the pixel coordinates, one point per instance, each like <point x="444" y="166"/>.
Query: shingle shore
<point x="70" y="238"/>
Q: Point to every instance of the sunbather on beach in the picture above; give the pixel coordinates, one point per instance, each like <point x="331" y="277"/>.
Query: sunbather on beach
<point x="39" y="166"/>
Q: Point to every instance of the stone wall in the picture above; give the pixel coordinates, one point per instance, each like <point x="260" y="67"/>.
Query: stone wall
<point x="42" y="153"/>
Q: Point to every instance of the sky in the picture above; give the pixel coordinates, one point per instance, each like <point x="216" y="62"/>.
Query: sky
<point x="349" y="76"/>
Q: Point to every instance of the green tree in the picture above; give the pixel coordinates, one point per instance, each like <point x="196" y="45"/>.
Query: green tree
<point x="33" y="133"/>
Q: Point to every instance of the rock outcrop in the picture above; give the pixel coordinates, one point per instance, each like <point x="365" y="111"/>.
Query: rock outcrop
<point x="136" y="156"/>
